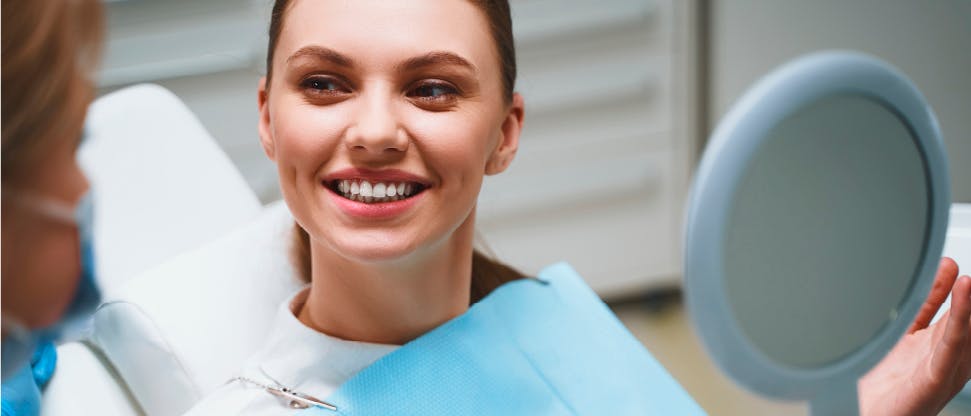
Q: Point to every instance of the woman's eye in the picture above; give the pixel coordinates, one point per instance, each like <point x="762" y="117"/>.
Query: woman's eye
<point x="323" y="85"/>
<point x="434" y="91"/>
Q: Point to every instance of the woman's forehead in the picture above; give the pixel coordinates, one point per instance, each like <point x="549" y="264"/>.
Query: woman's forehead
<point x="381" y="33"/>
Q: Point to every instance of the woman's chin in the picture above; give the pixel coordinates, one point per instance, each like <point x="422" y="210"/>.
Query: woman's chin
<point x="375" y="248"/>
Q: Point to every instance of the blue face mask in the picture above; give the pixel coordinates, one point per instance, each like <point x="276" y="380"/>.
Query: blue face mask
<point x="19" y="341"/>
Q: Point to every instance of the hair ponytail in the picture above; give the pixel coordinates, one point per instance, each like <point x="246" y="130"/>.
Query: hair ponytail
<point x="488" y="274"/>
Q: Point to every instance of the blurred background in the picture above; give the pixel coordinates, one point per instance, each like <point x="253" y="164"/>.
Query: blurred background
<point x="620" y="96"/>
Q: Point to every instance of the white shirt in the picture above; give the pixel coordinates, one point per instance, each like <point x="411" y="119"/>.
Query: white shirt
<point x="297" y="357"/>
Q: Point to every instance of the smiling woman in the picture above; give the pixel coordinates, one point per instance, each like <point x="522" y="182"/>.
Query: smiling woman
<point x="423" y="113"/>
<point x="383" y="119"/>
<point x="436" y="80"/>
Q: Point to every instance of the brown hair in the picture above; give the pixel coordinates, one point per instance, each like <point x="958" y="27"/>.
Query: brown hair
<point x="50" y="49"/>
<point x="487" y="273"/>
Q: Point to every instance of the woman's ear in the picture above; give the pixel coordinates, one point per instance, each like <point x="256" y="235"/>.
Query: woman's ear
<point x="266" y="133"/>
<point x="508" y="144"/>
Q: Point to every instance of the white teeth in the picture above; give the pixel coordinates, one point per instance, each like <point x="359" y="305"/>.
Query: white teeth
<point x="367" y="192"/>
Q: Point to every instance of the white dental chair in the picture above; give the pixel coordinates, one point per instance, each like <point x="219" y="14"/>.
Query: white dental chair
<point x="193" y="267"/>
<point x="190" y="264"/>
<point x="177" y="332"/>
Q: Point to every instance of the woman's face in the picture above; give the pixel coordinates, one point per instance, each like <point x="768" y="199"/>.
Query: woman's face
<point x="383" y="118"/>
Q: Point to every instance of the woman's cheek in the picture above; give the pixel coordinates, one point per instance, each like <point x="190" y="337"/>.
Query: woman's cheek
<point x="309" y="138"/>
<point x="458" y="136"/>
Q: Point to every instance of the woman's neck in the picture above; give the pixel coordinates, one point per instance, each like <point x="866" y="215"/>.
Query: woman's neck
<point x="389" y="303"/>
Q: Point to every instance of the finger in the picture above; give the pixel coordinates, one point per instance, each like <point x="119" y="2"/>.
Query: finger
<point x="939" y="326"/>
<point x="964" y="367"/>
<point x="943" y="281"/>
<point x="964" y="293"/>
<point x="952" y="348"/>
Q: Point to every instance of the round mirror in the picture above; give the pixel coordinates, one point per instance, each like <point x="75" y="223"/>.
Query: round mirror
<point x="855" y="168"/>
<point x="815" y="224"/>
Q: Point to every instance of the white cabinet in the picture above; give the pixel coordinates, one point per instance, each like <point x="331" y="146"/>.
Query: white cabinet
<point x="605" y="157"/>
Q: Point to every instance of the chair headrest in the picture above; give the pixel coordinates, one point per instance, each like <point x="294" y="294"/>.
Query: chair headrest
<point x="161" y="184"/>
<point x="180" y="330"/>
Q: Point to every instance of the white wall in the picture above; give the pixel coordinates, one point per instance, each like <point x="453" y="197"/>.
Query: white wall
<point x="930" y="41"/>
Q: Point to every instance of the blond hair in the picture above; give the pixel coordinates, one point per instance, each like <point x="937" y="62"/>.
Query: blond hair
<point x="50" y="51"/>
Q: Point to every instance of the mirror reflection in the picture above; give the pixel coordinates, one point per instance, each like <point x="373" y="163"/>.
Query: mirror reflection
<point x="827" y="199"/>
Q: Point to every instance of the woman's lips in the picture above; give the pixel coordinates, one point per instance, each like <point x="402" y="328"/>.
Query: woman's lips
<point x="375" y="209"/>
<point x="374" y="194"/>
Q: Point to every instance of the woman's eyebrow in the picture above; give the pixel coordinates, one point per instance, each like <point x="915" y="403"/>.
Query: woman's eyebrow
<point x="435" y="58"/>
<point x="323" y="54"/>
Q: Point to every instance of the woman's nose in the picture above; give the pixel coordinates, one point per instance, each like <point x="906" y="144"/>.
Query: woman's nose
<point x="376" y="130"/>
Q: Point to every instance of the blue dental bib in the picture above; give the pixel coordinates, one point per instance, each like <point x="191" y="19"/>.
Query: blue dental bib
<point x="546" y="346"/>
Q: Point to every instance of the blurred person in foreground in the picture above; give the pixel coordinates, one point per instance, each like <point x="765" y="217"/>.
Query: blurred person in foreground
<point x="50" y="50"/>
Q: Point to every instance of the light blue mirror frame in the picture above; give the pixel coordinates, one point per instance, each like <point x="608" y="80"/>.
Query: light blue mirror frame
<point x="830" y="388"/>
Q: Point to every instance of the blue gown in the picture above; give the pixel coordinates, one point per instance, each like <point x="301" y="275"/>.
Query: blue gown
<point x="21" y="393"/>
